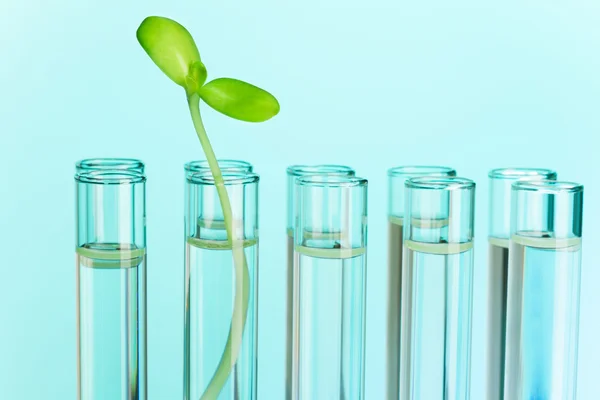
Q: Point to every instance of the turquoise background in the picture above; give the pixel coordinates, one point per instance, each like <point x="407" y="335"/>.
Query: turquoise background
<point x="371" y="84"/>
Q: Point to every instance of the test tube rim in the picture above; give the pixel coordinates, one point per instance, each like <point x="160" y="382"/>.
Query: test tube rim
<point x="331" y="181"/>
<point x="450" y="183"/>
<point x="224" y="164"/>
<point x="109" y="163"/>
<point x="320" y="169"/>
<point x="420" y="170"/>
<point x="517" y="173"/>
<point x="111" y="177"/>
<point x="547" y="186"/>
<point x="230" y="178"/>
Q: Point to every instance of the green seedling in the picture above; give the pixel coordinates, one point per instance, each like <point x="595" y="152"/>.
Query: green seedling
<point x="174" y="51"/>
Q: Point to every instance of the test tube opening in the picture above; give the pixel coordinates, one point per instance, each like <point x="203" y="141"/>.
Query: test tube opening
<point x="224" y="164"/>
<point x="109" y="164"/>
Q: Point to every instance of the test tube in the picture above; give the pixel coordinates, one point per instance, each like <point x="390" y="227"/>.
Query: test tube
<point x="438" y="246"/>
<point x="293" y="172"/>
<point x="501" y="181"/>
<point x="221" y="282"/>
<point x="397" y="177"/>
<point x="543" y="290"/>
<point x="111" y="285"/>
<point x="330" y="240"/>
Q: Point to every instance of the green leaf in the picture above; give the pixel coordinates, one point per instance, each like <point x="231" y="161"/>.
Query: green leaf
<point x="239" y="100"/>
<point x="196" y="77"/>
<point x="170" y="46"/>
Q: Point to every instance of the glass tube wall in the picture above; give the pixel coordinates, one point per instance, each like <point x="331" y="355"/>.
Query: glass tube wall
<point x="293" y="172"/>
<point x="438" y="246"/>
<point x="396" y="199"/>
<point x="329" y="301"/>
<point x="501" y="181"/>
<point x="111" y="285"/>
<point x="221" y="297"/>
<point x="543" y="291"/>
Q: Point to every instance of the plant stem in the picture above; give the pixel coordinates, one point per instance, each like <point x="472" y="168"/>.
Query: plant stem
<point x="242" y="276"/>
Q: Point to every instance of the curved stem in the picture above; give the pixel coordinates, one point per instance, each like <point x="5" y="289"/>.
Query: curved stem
<point x="242" y="276"/>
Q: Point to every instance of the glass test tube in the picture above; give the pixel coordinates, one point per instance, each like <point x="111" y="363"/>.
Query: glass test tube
<point x="294" y="172"/>
<point x="438" y="246"/>
<point x="543" y="291"/>
<point x="111" y="285"/>
<point x="330" y="296"/>
<point x="110" y="164"/>
<point x="221" y="297"/>
<point x="396" y="178"/>
<point x="501" y="181"/>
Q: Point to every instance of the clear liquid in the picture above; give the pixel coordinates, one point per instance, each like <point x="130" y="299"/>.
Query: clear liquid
<point x="441" y="320"/>
<point x="209" y="299"/>
<point x="543" y="318"/>
<point x="330" y="335"/>
<point x="111" y="299"/>
<point x="496" y="312"/>
<point x="395" y="272"/>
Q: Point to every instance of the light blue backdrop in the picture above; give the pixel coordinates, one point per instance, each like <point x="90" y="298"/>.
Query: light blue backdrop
<point x="372" y="84"/>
